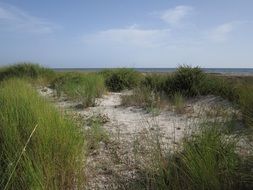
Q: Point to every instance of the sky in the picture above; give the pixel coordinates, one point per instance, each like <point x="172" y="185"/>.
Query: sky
<point x="130" y="33"/>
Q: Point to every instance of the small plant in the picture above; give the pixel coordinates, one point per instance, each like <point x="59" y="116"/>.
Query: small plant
<point x="178" y="102"/>
<point x="95" y="133"/>
<point x="82" y="87"/>
<point x="120" y="79"/>
<point x="142" y="97"/>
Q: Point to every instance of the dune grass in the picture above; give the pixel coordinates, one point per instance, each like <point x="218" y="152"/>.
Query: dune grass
<point x="54" y="158"/>
<point x="141" y="97"/>
<point x="191" y="82"/>
<point x="28" y="71"/>
<point x="206" y="160"/>
<point x="121" y="78"/>
<point x="82" y="87"/>
<point x="178" y="101"/>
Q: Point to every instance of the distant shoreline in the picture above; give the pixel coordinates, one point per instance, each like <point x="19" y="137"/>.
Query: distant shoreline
<point x="223" y="71"/>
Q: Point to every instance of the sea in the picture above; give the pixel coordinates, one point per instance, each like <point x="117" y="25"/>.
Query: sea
<point x="229" y="71"/>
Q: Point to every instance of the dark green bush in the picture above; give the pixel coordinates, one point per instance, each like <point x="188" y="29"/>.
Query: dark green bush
<point x="186" y="80"/>
<point x="120" y="79"/>
<point x="25" y="70"/>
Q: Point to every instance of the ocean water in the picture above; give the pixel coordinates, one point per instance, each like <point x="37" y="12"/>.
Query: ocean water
<point x="235" y="71"/>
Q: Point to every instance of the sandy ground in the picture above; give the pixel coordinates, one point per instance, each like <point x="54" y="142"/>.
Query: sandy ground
<point x="111" y="165"/>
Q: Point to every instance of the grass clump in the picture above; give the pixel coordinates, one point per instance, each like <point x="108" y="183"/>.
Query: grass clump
<point x="95" y="133"/>
<point x="120" y="79"/>
<point x="54" y="156"/>
<point x="82" y="87"/>
<point x="26" y="70"/>
<point x="207" y="160"/>
<point x="142" y="97"/>
<point x="186" y="80"/>
<point x="156" y="82"/>
<point x="178" y="101"/>
<point x="220" y="87"/>
<point x="246" y="104"/>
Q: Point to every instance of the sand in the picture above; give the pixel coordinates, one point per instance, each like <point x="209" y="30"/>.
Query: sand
<point x="112" y="165"/>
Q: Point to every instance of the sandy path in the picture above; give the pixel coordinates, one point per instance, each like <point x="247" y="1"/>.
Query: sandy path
<point x="112" y="164"/>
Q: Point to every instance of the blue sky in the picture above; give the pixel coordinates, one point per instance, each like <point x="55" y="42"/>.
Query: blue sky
<point x="130" y="33"/>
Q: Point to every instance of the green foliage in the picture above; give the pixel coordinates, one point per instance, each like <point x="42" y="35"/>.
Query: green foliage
<point x="178" y="101"/>
<point x="27" y="70"/>
<point x="120" y="79"/>
<point x="142" y="97"/>
<point x="186" y="80"/>
<point x="155" y="82"/>
<point x="53" y="158"/>
<point x="219" y="86"/>
<point x="95" y="134"/>
<point x="246" y="104"/>
<point x="207" y="160"/>
<point x="83" y="87"/>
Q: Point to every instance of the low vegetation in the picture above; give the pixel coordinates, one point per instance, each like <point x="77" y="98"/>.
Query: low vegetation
<point x="121" y="79"/>
<point x="95" y="133"/>
<point x="26" y="70"/>
<point x="53" y="159"/>
<point x="178" y="102"/>
<point x="207" y="160"/>
<point x="186" y="81"/>
<point x="82" y="87"/>
<point x="142" y="97"/>
<point x="44" y="149"/>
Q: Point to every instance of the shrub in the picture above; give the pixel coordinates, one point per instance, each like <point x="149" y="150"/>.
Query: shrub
<point x="53" y="159"/>
<point x="83" y="87"/>
<point x="28" y="70"/>
<point x="156" y="82"/>
<point x="186" y="80"/>
<point x="120" y="79"/>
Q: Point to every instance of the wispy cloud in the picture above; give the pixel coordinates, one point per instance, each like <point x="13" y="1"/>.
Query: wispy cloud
<point x="15" y="19"/>
<point x="132" y="35"/>
<point x="222" y="32"/>
<point x="174" y="16"/>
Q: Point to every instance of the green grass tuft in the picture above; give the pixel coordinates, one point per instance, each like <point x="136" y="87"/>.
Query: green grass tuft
<point x="82" y="87"/>
<point x="206" y="160"/>
<point x="54" y="157"/>
<point x="26" y="70"/>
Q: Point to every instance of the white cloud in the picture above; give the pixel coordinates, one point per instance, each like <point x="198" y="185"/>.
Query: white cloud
<point x="176" y="15"/>
<point x="132" y="35"/>
<point x="14" y="19"/>
<point x="221" y="33"/>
